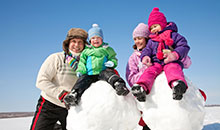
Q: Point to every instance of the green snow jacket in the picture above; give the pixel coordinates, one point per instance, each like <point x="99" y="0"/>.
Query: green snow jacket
<point x="92" y="59"/>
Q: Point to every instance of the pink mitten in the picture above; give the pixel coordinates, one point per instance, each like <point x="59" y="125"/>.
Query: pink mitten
<point x="170" y="57"/>
<point x="186" y="62"/>
<point x="147" y="61"/>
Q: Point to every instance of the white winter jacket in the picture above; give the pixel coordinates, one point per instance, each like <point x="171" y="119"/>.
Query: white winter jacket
<point x="54" y="77"/>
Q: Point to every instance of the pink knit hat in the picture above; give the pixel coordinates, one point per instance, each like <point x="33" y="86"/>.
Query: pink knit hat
<point x="157" y="17"/>
<point x="141" y="31"/>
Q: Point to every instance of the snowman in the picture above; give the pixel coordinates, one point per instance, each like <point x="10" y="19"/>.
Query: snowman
<point x="101" y="108"/>
<point x="161" y="112"/>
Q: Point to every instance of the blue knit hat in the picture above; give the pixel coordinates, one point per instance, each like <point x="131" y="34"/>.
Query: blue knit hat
<point x="95" y="31"/>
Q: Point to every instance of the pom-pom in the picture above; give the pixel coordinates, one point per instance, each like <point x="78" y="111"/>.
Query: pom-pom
<point x="169" y="42"/>
<point x="95" y="25"/>
<point x="160" y="55"/>
<point x="156" y="9"/>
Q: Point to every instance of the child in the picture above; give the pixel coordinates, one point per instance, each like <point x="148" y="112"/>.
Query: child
<point x="97" y="61"/>
<point x="134" y="67"/>
<point x="164" y="51"/>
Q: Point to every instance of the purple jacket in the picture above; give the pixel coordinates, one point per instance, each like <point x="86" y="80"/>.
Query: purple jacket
<point x="180" y="46"/>
<point x="134" y="68"/>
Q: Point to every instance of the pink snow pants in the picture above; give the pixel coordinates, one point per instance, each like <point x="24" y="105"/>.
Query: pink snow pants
<point x="173" y="72"/>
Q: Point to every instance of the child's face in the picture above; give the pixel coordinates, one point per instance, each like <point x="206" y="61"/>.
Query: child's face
<point x="155" y="28"/>
<point x="76" y="45"/>
<point x="96" y="41"/>
<point x="140" y="42"/>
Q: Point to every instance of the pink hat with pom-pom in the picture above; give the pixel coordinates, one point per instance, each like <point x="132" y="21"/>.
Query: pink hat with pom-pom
<point x="157" y="17"/>
<point x="141" y="31"/>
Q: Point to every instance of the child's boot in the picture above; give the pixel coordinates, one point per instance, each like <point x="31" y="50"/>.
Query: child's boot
<point x="121" y="88"/>
<point x="115" y="81"/>
<point x="139" y="92"/>
<point x="179" y="88"/>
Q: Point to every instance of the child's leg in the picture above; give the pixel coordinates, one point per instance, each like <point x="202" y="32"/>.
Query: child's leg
<point x="176" y="80"/>
<point x="147" y="78"/>
<point x="84" y="83"/>
<point x="174" y="72"/>
<point x="145" y="82"/>
<point x="80" y="86"/>
<point x="115" y="81"/>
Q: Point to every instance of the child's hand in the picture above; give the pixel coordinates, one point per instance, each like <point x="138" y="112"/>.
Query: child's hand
<point x="78" y="74"/>
<point x="170" y="57"/>
<point x="147" y="61"/>
<point x="109" y="64"/>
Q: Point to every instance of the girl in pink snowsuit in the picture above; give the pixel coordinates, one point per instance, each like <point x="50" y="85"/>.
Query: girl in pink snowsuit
<point x="163" y="52"/>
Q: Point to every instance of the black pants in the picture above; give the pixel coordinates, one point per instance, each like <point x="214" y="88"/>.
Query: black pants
<point x="47" y="114"/>
<point x="85" y="81"/>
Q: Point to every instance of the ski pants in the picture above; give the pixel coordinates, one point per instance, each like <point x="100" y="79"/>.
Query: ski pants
<point x="84" y="82"/>
<point x="173" y="72"/>
<point x="47" y="114"/>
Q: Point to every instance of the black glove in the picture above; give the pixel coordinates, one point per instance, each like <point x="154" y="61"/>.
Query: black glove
<point x="68" y="98"/>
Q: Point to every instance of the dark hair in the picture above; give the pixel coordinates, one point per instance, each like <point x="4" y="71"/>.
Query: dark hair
<point x="135" y="47"/>
<point x="67" y="42"/>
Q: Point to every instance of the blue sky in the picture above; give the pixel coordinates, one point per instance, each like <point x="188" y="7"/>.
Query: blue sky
<point x="32" y="30"/>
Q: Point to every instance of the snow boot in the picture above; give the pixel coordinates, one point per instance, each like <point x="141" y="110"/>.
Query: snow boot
<point x="121" y="88"/>
<point x="71" y="99"/>
<point x="179" y="89"/>
<point x="139" y="92"/>
<point x="83" y="83"/>
<point x="115" y="81"/>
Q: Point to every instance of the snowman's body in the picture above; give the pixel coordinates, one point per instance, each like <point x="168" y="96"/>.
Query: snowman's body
<point x="161" y="112"/>
<point x="101" y="108"/>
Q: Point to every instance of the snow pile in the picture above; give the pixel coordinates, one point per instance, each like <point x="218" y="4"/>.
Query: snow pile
<point x="21" y="123"/>
<point x="212" y="118"/>
<point x="161" y="112"/>
<point x="102" y="109"/>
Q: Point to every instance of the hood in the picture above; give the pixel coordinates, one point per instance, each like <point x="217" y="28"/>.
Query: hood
<point x="170" y="26"/>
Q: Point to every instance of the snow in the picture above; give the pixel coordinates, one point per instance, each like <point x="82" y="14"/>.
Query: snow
<point x="212" y="118"/>
<point x="122" y="113"/>
<point x="160" y="107"/>
<point x="211" y="122"/>
<point x="22" y="123"/>
<point x="102" y="109"/>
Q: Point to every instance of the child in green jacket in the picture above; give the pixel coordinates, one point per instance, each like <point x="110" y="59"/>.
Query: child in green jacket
<point x="97" y="62"/>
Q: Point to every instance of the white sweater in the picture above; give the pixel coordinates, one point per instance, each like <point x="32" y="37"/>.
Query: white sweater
<point x="54" y="77"/>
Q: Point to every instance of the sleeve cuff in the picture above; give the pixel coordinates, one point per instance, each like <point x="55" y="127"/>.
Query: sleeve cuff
<point x="177" y="55"/>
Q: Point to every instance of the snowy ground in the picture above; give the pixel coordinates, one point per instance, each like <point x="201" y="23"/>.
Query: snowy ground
<point x="212" y="118"/>
<point x="211" y="122"/>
